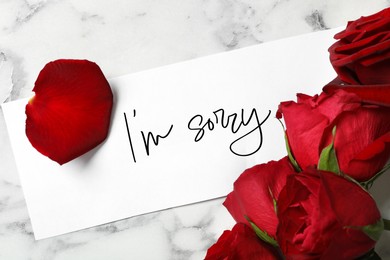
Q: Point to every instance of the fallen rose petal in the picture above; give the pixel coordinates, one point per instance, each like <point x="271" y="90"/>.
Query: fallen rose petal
<point x="70" y="112"/>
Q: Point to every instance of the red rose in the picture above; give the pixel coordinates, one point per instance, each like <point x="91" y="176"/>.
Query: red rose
<point x="241" y="244"/>
<point x="325" y="216"/>
<point x="362" y="138"/>
<point x="70" y="112"/>
<point x="361" y="56"/>
<point x="255" y="193"/>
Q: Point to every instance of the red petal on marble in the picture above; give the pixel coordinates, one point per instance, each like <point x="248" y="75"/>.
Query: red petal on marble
<point x="70" y="112"/>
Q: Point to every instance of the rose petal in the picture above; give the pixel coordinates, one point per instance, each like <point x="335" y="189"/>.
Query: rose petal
<point x="352" y="205"/>
<point x="321" y="215"/>
<point x="361" y="54"/>
<point x="304" y="129"/>
<point x="348" y="245"/>
<point x="360" y="143"/>
<point x="307" y="119"/>
<point x="254" y="194"/>
<point x="374" y="94"/>
<point x="363" y="153"/>
<point x="241" y="243"/>
<point x="70" y="112"/>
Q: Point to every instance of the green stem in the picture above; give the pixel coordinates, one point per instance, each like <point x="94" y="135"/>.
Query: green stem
<point x="370" y="182"/>
<point x="386" y="223"/>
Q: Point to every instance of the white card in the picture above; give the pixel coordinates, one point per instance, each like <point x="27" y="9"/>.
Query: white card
<point x="117" y="179"/>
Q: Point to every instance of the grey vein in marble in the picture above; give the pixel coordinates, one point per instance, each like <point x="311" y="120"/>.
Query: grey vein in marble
<point x="316" y="21"/>
<point x="6" y="70"/>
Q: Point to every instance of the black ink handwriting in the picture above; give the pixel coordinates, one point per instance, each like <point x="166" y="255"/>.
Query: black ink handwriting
<point x="146" y="138"/>
<point x="154" y="139"/>
<point x="236" y="123"/>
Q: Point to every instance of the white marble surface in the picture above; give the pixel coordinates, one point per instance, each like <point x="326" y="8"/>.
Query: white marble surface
<point x="126" y="36"/>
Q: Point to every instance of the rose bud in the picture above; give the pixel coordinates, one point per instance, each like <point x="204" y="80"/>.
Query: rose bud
<point x="70" y="112"/>
<point x="241" y="243"/>
<point x="362" y="132"/>
<point x="255" y="195"/>
<point x="325" y="216"/>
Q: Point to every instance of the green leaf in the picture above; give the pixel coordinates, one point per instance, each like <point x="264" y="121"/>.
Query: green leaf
<point x="289" y="153"/>
<point x="290" y="156"/>
<point x="275" y="203"/>
<point x="374" y="231"/>
<point x="262" y="234"/>
<point x="328" y="159"/>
